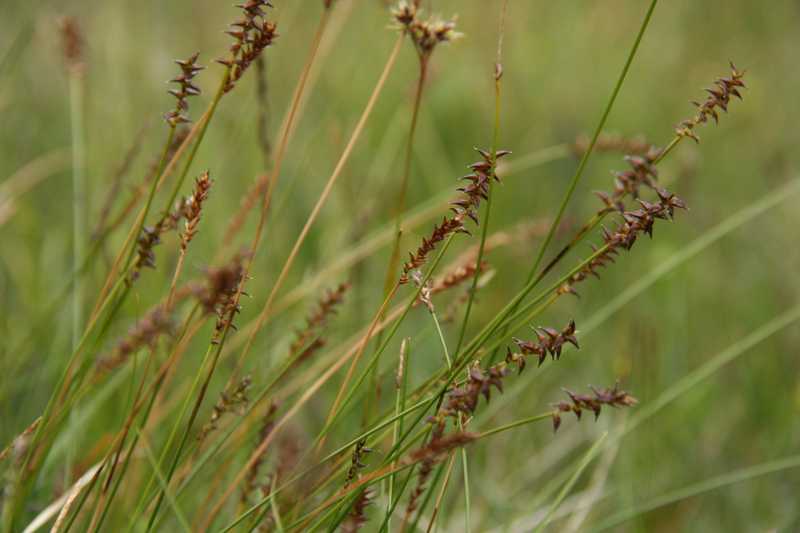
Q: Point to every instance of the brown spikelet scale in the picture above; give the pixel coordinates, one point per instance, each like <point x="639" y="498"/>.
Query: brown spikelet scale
<point x="425" y="34"/>
<point x="719" y="96"/>
<point x="440" y="232"/>
<point x="252" y="34"/>
<point x="461" y="401"/>
<point x="151" y="237"/>
<point x="229" y="402"/>
<point x="145" y="333"/>
<point x="548" y="341"/>
<point x="325" y="309"/>
<point x="624" y="236"/>
<point x="186" y="88"/>
<point x="357" y="461"/>
<point x="458" y="275"/>
<point x="218" y="294"/>
<point x="466" y="206"/>
<point x="72" y="44"/>
<point x="357" y="516"/>
<point x="427" y="462"/>
<point x="193" y="207"/>
<point x="593" y="402"/>
<point x="428" y="456"/>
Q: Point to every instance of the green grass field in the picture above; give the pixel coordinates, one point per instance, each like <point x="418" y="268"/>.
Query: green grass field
<point x="699" y="323"/>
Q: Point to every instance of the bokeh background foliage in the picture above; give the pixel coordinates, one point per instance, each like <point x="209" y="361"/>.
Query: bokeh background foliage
<point x="561" y="60"/>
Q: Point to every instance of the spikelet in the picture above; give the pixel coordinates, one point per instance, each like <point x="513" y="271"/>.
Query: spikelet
<point x="592" y="402"/>
<point x="218" y="294"/>
<point x="466" y="206"/>
<point x="186" y="88"/>
<point x="428" y="456"/>
<point x="624" y="236"/>
<point x="72" y="45"/>
<point x="425" y="34"/>
<point x="252" y="34"/>
<point x="234" y="402"/>
<point x="357" y="516"/>
<point x="193" y="208"/>
<point x="151" y="237"/>
<point x="548" y="341"/>
<point x="317" y="319"/>
<point x="145" y="333"/>
<point x="719" y="96"/>
<point x="356" y="461"/>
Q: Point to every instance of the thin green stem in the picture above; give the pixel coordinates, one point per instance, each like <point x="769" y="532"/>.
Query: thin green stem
<point x="587" y="458"/>
<point x="585" y="158"/>
<point x="696" y="489"/>
<point x="394" y="256"/>
<point x="164" y="484"/>
<point x="498" y="76"/>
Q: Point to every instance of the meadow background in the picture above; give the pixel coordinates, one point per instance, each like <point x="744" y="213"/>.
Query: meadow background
<point x="561" y="60"/>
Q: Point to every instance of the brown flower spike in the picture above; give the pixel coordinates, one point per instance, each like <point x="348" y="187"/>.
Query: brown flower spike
<point x="356" y="464"/>
<point x="472" y="194"/>
<point x="592" y="402"/>
<point x="144" y="333"/>
<point x="218" y="296"/>
<point x="186" y="88"/>
<point x="425" y="34"/>
<point x="549" y="341"/>
<point x="252" y="34"/>
<point x="719" y="96"/>
<point x="325" y="308"/>
<point x="633" y="224"/>
<point x="193" y="208"/>
<point x="234" y="402"/>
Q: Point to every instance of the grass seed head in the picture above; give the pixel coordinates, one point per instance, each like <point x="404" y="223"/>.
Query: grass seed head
<point x="719" y="96"/>
<point x="186" y="88"/>
<point x="593" y="402"/>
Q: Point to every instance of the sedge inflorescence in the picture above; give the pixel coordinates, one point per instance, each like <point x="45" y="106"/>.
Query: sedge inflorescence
<point x="719" y="96"/>
<point x="466" y="206"/>
<point x="425" y="34"/>
<point x="252" y="34"/>
<point x="594" y="402"/>
<point x="186" y="88"/>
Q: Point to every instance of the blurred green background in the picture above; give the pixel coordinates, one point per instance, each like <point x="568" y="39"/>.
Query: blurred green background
<point x="561" y="60"/>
